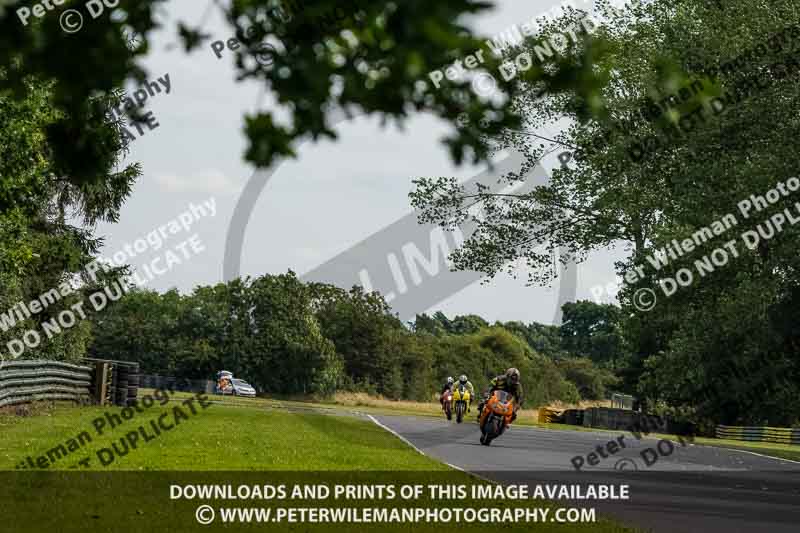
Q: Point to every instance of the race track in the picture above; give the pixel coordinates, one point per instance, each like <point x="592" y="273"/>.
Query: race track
<point x="688" y="488"/>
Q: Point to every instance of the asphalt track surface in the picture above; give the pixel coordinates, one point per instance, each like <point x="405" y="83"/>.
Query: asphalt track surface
<point x="692" y="488"/>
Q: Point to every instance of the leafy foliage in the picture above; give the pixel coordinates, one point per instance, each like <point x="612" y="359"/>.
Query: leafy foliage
<point x="705" y="351"/>
<point x="374" y="59"/>
<point x="592" y="382"/>
<point x="40" y="250"/>
<point x="593" y="330"/>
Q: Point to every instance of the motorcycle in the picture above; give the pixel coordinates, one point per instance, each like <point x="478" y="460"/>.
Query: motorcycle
<point x="447" y="404"/>
<point x="461" y="399"/>
<point x="496" y="416"/>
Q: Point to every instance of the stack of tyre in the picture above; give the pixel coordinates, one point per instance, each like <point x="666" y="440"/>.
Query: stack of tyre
<point x="125" y="383"/>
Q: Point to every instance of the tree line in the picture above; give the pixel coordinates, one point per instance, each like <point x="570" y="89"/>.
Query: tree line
<point x="291" y="338"/>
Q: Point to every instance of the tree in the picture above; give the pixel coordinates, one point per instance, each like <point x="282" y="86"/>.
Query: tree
<point x="542" y="338"/>
<point x="425" y="324"/>
<point x="364" y="333"/>
<point x="41" y="251"/>
<point x="592" y="382"/>
<point x="593" y="330"/>
<point x="142" y="326"/>
<point x="693" y="124"/>
<point x="489" y="352"/>
<point x="285" y="351"/>
<point x="317" y="58"/>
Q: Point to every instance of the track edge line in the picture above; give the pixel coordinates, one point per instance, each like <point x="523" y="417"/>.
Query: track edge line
<point x="409" y="443"/>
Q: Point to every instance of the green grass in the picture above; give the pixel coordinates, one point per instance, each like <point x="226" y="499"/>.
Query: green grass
<point x="240" y="442"/>
<point x="783" y="451"/>
<point x="253" y="438"/>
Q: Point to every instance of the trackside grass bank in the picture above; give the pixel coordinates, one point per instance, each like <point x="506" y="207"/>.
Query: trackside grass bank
<point x="229" y="446"/>
<point x="216" y="438"/>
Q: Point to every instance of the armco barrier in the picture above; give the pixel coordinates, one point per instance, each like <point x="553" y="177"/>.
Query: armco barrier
<point x="759" y="434"/>
<point x="573" y="417"/>
<point x="36" y="380"/>
<point x="634" y="421"/>
<point x="177" y="384"/>
<point x="603" y="417"/>
<point x="93" y="380"/>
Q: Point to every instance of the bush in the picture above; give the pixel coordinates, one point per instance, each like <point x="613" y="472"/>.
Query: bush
<point x="591" y="381"/>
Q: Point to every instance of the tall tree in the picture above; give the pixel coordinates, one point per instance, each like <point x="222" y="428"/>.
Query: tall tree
<point x="694" y="123"/>
<point x="593" y="330"/>
<point x="42" y="247"/>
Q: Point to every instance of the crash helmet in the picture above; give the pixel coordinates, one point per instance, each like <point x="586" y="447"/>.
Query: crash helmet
<point x="513" y="375"/>
<point x="450" y="380"/>
<point x="463" y="379"/>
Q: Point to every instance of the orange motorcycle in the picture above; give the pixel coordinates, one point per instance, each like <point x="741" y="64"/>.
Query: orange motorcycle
<point x="496" y="416"/>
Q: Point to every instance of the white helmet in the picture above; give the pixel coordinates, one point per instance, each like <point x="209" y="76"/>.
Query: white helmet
<point x="463" y="378"/>
<point x="450" y="380"/>
<point x="513" y="375"/>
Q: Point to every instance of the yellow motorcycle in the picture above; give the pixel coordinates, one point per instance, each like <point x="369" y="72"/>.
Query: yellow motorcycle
<point x="461" y="400"/>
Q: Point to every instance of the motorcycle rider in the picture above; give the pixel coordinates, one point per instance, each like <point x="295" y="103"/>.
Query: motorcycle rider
<point x="464" y="382"/>
<point x="508" y="382"/>
<point x="446" y="387"/>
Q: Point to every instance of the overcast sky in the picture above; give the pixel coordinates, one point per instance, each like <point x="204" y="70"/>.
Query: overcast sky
<point x="313" y="208"/>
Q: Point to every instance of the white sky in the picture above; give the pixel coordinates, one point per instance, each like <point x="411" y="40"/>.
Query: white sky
<point x="331" y="197"/>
